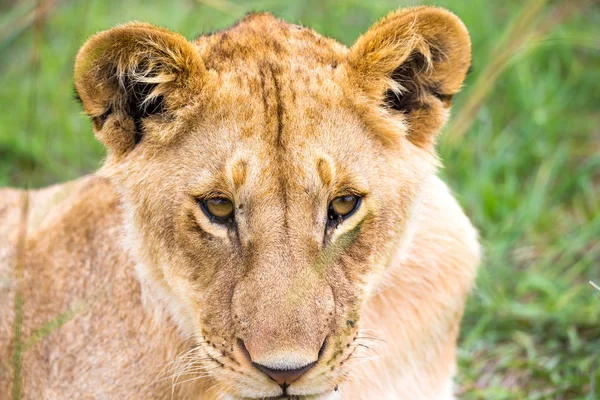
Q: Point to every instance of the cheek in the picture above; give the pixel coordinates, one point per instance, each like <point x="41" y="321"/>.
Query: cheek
<point x="150" y="198"/>
<point x="215" y="315"/>
<point x="201" y="255"/>
<point x="367" y="259"/>
<point x="206" y="275"/>
<point x="350" y="274"/>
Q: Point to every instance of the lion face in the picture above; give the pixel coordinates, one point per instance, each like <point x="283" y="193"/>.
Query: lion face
<point x="266" y="173"/>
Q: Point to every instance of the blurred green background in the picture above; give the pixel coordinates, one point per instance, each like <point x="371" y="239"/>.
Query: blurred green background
<point x="522" y="154"/>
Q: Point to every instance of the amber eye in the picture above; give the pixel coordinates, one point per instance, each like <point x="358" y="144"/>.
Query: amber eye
<point x="218" y="209"/>
<point x="342" y="207"/>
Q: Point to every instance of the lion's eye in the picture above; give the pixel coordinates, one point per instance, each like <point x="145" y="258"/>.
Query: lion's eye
<point x="342" y="207"/>
<point x="218" y="209"/>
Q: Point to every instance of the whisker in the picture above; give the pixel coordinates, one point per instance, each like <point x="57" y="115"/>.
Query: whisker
<point x="371" y="338"/>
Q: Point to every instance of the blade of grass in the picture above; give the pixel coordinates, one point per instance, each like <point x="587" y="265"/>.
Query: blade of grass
<point x="227" y="7"/>
<point x="58" y="321"/>
<point x="596" y="287"/>
<point x="18" y="305"/>
<point x="526" y="31"/>
<point x="20" y="24"/>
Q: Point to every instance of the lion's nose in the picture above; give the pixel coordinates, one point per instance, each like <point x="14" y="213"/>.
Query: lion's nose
<point x="282" y="372"/>
<point x="284" y="376"/>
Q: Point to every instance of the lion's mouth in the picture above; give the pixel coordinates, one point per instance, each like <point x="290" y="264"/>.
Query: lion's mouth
<point x="316" y="396"/>
<point x="290" y="397"/>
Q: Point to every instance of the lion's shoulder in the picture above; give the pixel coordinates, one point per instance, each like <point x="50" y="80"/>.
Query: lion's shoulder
<point x="51" y="215"/>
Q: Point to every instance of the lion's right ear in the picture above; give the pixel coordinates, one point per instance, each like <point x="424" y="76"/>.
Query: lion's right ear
<point x="132" y="72"/>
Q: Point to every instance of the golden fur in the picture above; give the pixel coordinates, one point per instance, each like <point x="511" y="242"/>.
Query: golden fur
<point x="280" y="120"/>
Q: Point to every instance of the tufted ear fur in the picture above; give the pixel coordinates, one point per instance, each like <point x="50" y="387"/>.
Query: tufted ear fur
<point x="412" y="62"/>
<point x="130" y="73"/>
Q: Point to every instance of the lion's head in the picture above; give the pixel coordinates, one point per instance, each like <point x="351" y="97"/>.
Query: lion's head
<point x="266" y="173"/>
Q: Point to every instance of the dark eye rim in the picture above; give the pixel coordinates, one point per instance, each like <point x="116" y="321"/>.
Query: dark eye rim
<point x="336" y="220"/>
<point x="213" y="218"/>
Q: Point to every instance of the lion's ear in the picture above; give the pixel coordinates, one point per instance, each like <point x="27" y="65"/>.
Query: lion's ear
<point x="412" y="62"/>
<point x="132" y="72"/>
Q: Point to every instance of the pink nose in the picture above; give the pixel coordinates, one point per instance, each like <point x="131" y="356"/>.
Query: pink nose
<point x="284" y="376"/>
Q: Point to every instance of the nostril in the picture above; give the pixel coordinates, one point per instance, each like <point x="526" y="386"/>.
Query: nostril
<point x="284" y="376"/>
<point x="244" y="350"/>
<point x="322" y="349"/>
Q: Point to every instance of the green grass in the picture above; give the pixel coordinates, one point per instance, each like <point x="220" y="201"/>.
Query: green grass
<point x="526" y="170"/>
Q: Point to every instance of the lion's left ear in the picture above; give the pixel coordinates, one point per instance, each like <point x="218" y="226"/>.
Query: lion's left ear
<point x="412" y="62"/>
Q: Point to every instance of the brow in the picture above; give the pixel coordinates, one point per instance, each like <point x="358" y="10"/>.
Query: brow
<point x="239" y="171"/>
<point x="325" y="171"/>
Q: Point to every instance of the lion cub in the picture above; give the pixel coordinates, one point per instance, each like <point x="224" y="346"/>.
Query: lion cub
<point x="268" y="221"/>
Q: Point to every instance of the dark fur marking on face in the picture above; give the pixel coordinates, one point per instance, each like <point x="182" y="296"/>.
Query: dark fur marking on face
<point x="280" y="110"/>
<point x="325" y="172"/>
<point x="239" y="172"/>
<point x="333" y="252"/>
<point x="193" y="226"/>
<point x="261" y="75"/>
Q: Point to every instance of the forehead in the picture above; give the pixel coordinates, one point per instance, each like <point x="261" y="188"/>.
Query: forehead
<point x="262" y="37"/>
<point x="279" y="142"/>
<point x="271" y="73"/>
<point x="275" y="95"/>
